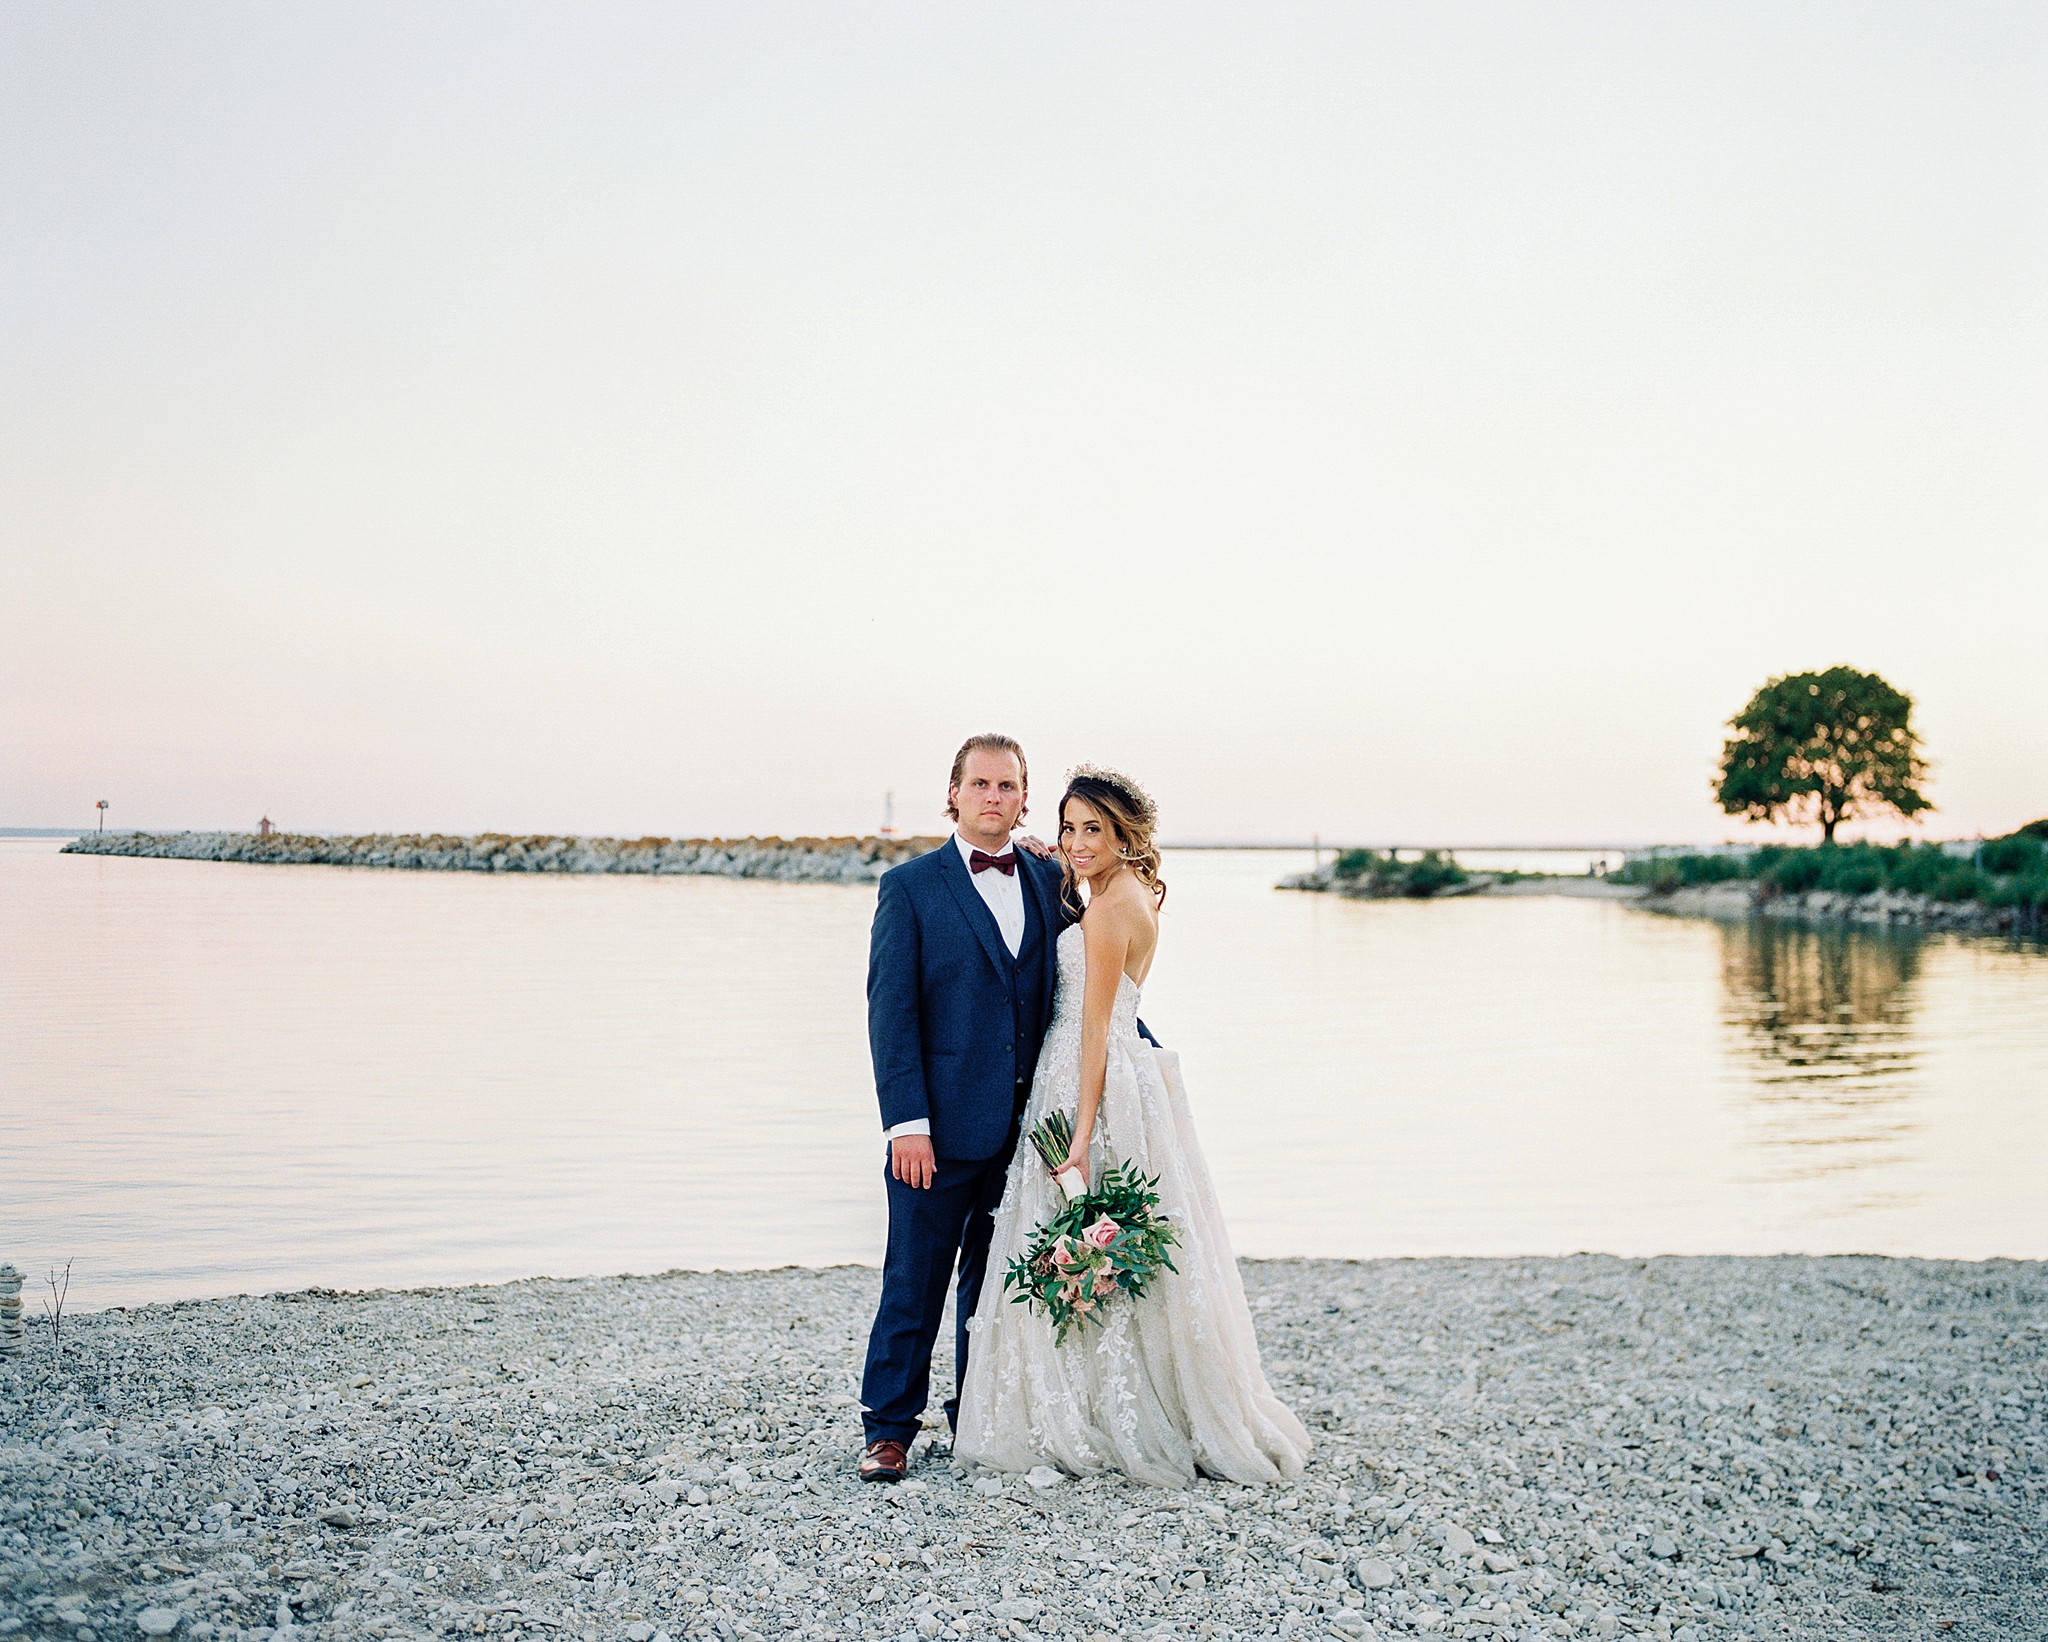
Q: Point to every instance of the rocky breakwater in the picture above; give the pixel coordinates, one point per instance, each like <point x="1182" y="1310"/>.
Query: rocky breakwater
<point x="1891" y="909"/>
<point x="1507" y="1450"/>
<point x="804" y="860"/>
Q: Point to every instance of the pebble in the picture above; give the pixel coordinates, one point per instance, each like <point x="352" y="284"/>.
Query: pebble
<point x="1677" y="1450"/>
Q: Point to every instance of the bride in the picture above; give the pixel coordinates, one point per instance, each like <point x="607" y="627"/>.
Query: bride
<point x="1170" y="1384"/>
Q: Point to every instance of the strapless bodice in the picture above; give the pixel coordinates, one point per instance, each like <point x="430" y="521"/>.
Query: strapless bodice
<point x="1072" y="965"/>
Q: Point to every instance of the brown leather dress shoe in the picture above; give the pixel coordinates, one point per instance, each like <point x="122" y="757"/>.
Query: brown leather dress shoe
<point x="884" y="1461"/>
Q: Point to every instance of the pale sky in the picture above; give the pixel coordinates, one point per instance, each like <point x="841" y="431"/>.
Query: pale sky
<point x="1398" y="422"/>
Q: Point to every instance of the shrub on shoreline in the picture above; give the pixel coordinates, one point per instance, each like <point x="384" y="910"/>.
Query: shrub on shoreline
<point x="1380" y="873"/>
<point x="2007" y="872"/>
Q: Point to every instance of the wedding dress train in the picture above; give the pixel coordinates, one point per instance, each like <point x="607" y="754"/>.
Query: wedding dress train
<point x="1164" y="1386"/>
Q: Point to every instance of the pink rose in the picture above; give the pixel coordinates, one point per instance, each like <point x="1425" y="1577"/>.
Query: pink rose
<point x="1103" y="1233"/>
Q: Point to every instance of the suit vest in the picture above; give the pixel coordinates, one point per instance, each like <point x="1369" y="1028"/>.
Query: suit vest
<point x="1031" y="984"/>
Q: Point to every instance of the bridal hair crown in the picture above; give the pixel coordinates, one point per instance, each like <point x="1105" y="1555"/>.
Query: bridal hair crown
<point x="1134" y="797"/>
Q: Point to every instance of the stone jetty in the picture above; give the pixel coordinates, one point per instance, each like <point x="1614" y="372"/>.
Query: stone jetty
<point x="1532" y="1450"/>
<point x="799" y="860"/>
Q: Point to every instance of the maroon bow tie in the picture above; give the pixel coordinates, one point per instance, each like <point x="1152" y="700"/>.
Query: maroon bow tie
<point x="981" y="861"/>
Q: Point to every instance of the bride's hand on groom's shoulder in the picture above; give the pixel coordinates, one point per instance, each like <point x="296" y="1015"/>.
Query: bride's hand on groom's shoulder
<point x="1032" y="845"/>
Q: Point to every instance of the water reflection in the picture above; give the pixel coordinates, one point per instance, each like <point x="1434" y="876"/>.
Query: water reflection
<point x="229" y="1079"/>
<point x="1823" y="1020"/>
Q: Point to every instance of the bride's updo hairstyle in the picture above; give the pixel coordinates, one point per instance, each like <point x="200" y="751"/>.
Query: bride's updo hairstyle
<point x="1132" y="816"/>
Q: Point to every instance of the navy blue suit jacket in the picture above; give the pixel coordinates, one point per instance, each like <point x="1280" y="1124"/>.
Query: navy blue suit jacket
<point x="946" y="1021"/>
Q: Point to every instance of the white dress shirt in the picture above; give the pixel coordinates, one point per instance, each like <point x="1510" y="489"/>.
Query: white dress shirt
<point x="1003" y="893"/>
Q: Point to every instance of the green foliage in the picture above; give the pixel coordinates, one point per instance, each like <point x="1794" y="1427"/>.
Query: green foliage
<point x="1433" y="872"/>
<point x="2010" y="871"/>
<point x="1827" y="747"/>
<point x="1380" y="873"/>
<point x="1929" y="871"/>
<point x="1069" y="1277"/>
<point x="1674" y="872"/>
<point x="2027" y="890"/>
<point x="2020" y="852"/>
<point x="1789" y="871"/>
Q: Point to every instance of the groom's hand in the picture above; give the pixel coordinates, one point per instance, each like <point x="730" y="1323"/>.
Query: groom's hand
<point x="911" y="1160"/>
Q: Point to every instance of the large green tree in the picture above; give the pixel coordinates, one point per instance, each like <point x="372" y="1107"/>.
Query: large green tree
<point x="1826" y="747"/>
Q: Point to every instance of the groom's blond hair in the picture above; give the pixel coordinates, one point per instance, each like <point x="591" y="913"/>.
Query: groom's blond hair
<point x="990" y="743"/>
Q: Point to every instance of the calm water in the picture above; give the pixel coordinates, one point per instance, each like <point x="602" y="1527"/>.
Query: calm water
<point x="222" y="1078"/>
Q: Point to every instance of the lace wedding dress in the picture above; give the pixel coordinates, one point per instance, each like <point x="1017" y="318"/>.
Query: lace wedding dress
<point x="1163" y="1386"/>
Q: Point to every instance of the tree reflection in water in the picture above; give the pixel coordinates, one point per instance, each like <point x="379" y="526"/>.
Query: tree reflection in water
<point x="1823" y="1024"/>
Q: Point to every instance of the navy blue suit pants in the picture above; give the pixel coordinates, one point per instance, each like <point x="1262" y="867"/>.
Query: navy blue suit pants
<point x="932" y="1233"/>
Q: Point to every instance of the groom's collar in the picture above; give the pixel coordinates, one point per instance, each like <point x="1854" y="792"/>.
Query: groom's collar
<point x="967" y="850"/>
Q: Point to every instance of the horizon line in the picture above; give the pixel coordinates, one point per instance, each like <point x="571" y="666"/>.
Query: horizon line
<point x="1275" y="846"/>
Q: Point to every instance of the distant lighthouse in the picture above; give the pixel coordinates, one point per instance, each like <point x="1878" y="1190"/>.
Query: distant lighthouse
<point x="888" y="828"/>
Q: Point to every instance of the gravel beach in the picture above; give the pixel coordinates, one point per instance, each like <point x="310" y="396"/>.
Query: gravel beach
<point x="1581" y="1447"/>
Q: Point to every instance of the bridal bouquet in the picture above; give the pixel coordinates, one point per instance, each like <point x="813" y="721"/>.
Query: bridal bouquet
<point x="1100" y="1244"/>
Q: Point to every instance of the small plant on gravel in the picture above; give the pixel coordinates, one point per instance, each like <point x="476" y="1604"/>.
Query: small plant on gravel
<point x="53" y="1308"/>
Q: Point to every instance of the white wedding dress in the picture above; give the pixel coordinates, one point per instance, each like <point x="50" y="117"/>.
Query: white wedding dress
<point x="1164" y="1386"/>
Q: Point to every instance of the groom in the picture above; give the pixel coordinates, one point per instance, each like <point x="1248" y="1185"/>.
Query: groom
<point x="960" y="986"/>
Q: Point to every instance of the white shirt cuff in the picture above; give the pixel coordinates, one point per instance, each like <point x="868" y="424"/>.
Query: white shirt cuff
<point x="916" y="1126"/>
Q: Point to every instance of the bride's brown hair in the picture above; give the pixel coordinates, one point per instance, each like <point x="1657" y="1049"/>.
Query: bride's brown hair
<point x="1132" y="817"/>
